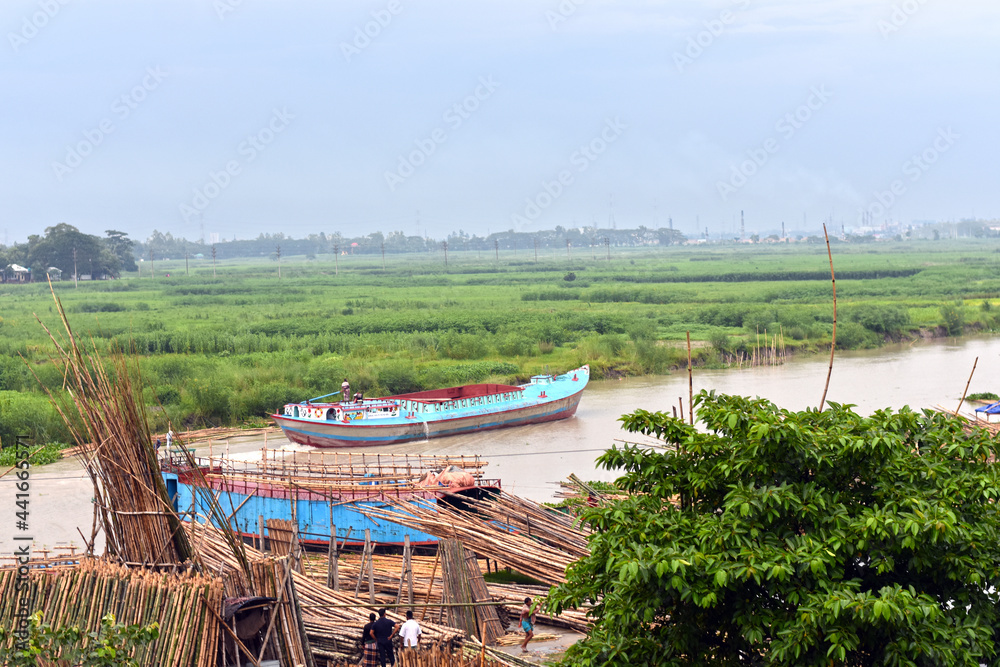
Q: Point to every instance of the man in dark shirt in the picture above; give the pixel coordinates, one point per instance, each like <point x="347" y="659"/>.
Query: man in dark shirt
<point x="384" y="629"/>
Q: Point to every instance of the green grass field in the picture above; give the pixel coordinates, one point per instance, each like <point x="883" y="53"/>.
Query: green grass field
<point x="231" y="348"/>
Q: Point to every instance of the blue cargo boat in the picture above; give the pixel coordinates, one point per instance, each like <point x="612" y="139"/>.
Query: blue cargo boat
<point x="434" y="413"/>
<point x="314" y="490"/>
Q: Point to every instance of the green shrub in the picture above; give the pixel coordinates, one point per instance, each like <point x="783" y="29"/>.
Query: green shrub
<point x="853" y="336"/>
<point x="31" y="415"/>
<point x="14" y="375"/>
<point x="398" y="377"/>
<point x="883" y="319"/>
<point x="953" y="319"/>
<point x="264" y="399"/>
<point x="464" y="346"/>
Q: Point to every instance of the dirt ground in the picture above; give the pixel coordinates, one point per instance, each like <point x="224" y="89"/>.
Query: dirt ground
<point x="543" y="652"/>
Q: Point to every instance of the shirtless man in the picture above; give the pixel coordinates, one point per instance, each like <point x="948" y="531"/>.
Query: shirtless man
<point x="527" y="624"/>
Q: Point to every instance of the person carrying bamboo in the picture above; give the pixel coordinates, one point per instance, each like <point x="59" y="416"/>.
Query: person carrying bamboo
<point x="527" y="624"/>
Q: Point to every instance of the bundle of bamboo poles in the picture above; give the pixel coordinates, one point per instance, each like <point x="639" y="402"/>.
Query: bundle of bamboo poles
<point x="273" y="578"/>
<point x="513" y="596"/>
<point x="386" y="581"/>
<point x="104" y="406"/>
<point x="522" y="534"/>
<point x="464" y="585"/>
<point x="81" y="595"/>
<point x="332" y="620"/>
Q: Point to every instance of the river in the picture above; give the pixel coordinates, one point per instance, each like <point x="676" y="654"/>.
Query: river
<point x="531" y="460"/>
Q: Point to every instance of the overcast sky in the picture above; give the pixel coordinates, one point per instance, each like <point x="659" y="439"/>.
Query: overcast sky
<point x="249" y="116"/>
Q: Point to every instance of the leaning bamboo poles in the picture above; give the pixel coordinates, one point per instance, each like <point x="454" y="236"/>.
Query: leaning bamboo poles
<point x="543" y="548"/>
<point x="331" y="620"/>
<point x="82" y="594"/>
<point x="104" y="406"/>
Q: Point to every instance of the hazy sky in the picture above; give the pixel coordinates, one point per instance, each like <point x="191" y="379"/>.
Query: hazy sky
<point x="251" y="116"/>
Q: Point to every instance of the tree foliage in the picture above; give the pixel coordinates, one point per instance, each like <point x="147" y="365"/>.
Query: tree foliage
<point x="68" y="249"/>
<point x="794" y="538"/>
<point x="110" y="646"/>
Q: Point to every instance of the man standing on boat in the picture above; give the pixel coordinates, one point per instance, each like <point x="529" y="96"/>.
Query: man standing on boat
<point x="345" y="391"/>
<point x="384" y="630"/>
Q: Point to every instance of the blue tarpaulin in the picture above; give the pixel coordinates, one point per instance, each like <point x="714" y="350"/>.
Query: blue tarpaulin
<point x="993" y="409"/>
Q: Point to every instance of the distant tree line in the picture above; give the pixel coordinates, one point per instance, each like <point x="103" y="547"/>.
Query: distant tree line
<point x="108" y="256"/>
<point x="71" y="252"/>
<point x="266" y="245"/>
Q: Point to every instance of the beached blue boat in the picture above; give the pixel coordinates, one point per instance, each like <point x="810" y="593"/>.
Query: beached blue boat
<point x="316" y="491"/>
<point x="435" y="413"/>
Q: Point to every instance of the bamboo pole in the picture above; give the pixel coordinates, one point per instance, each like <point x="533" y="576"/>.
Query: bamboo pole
<point x="833" y="338"/>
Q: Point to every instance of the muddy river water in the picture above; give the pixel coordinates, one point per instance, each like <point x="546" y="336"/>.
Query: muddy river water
<point x="531" y="460"/>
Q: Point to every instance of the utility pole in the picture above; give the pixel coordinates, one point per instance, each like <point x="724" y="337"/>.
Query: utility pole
<point x="536" y="249"/>
<point x="336" y="258"/>
<point x="76" y="276"/>
<point x="213" y="260"/>
<point x="277" y="250"/>
<point x="152" y="270"/>
<point x="444" y="245"/>
<point x="607" y="244"/>
<point x="496" y="249"/>
<point x="567" y="247"/>
<point x="383" y="255"/>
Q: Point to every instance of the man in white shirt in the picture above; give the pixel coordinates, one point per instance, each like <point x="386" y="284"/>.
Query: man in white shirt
<point x="410" y="632"/>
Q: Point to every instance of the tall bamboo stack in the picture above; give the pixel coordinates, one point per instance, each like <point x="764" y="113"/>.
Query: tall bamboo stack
<point x="106" y="415"/>
<point x="80" y="595"/>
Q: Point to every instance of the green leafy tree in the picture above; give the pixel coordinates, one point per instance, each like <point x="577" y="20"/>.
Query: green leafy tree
<point x="794" y="538"/>
<point x="122" y="247"/>
<point x="57" y="249"/>
<point x="110" y="646"/>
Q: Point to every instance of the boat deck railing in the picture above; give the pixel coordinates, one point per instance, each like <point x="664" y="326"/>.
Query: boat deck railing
<point x="327" y="472"/>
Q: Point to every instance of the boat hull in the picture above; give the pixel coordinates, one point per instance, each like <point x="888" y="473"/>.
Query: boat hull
<point x="336" y="434"/>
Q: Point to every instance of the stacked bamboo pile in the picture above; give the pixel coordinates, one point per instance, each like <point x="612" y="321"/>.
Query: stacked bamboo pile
<point x="338" y="476"/>
<point x="332" y="620"/>
<point x="82" y="595"/>
<point x="527" y="537"/>
<point x="464" y="584"/>
<point x="513" y="596"/>
<point x="273" y="578"/>
<point x="105" y="406"/>
<point x="436" y="655"/>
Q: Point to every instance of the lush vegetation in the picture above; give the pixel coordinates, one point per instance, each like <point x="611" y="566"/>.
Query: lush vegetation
<point x="109" y="646"/>
<point x="781" y="538"/>
<point x="225" y="342"/>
